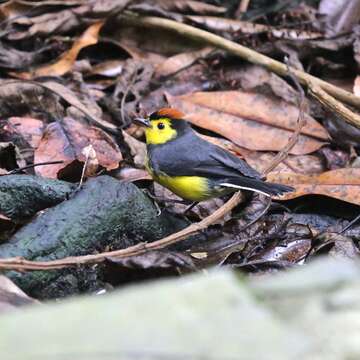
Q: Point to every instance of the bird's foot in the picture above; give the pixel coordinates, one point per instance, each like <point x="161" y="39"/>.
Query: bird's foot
<point x="191" y="206"/>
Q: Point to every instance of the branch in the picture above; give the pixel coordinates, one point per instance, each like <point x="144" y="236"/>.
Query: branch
<point x="284" y="153"/>
<point x="22" y="264"/>
<point x="332" y="104"/>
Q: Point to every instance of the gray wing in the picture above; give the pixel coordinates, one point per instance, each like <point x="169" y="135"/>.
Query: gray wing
<point x="190" y="155"/>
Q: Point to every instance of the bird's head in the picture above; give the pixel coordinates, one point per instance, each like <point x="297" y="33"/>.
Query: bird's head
<point x="163" y="125"/>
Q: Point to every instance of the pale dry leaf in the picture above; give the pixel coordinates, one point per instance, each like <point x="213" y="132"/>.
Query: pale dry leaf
<point x="180" y="61"/>
<point x="67" y="59"/>
<point x="342" y="184"/>
<point x="250" y="120"/>
<point x="66" y="141"/>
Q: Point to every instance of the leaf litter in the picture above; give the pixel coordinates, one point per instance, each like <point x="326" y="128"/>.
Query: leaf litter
<point x="88" y="71"/>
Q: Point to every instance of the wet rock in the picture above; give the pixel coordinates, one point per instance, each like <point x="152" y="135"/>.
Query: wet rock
<point x="22" y="196"/>
<point x="104" y="214"/>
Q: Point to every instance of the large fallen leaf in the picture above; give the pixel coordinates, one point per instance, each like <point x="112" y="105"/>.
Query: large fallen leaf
<point x="342" y="184"/>
<point x="253" y="121"/>
<point x="302" y="164"/>
<point x="67" y="59"/>
<point x="66" y="140"/>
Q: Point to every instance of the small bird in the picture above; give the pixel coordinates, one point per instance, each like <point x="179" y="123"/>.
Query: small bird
<point x="193" y="168"/>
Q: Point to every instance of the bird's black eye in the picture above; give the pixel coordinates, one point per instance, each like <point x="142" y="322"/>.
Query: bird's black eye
<point x="161" y="126"/>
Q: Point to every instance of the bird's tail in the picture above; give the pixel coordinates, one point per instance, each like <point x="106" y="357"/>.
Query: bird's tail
<point x="259" y="186"/>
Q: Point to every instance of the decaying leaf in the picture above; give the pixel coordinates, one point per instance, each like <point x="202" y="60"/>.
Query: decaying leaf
<point x="65" y="20"/>
<point x="73" y="100"/>
<point x="66" y="140"/>
<point x="342" y="184"/>
<point x="250" y="120"/>
<point x="67" y="60"/>
<point x="302" y="164"/>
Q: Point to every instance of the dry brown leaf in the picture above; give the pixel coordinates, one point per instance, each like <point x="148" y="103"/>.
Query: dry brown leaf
<point x="73" y="100"/>
<point x="65" y="21"/>
<point x="11" y="9"/>
<point x="67" y="59"/>
<point x="342" y="184"/>
<point x="180" y="61"/>
<point x="66" y="142"/>
<point x="302" y="164"/>
<point x="253" y="121"/>
<point x="29" y="128"/>
<point x="137" y="148"/>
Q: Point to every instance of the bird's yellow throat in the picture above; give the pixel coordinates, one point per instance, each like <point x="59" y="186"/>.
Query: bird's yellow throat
<point x="160" y="132"/>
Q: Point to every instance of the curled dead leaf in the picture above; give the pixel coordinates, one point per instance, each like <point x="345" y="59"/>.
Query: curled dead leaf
<point x="66" y="142"/>
<point x="342" y="184"/>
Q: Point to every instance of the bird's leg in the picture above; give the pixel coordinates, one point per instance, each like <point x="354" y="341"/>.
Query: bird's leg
<point x="192" y="205"/>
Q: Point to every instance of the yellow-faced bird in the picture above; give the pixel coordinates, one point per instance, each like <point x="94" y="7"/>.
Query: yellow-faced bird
<point x="193" y="168"/>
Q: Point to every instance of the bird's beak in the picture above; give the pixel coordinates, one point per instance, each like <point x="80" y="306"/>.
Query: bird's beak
<point x="142" y="122"/>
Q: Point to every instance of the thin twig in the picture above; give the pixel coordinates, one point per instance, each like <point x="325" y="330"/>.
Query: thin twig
<point x="126" y="92"/>
<point x="242" y="8"/>
<point x="350" y="224"/>
<point x="284" y="153"/>
<point x="22" y="264"/>
<point x="15" y="171"/>
<point x="334" y="105"/>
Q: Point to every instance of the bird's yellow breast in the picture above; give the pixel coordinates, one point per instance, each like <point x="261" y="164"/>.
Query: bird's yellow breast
<point x="194" y="188"/>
